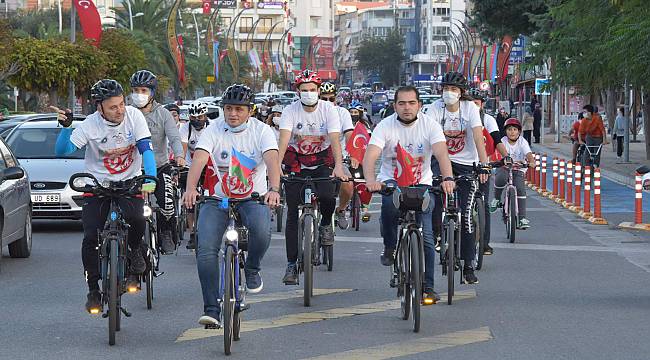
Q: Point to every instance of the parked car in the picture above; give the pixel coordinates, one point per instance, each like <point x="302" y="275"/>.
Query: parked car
<point x="12" y="121"/>
<point x="287" y="94"/>
<point x="15" y="206"/>
<point x="378" y="102"/>
<point x="33" y="145"/>
<point x="210" y="100"/>
<point x="429" y="99"/>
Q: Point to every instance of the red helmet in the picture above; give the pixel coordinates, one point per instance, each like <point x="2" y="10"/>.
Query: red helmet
<point x="308" y="76"/>
<point x="512" y="122"/>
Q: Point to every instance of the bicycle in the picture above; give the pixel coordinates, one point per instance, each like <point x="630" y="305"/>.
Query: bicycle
<point x="407" y="273"/>
<point x="233" y="283"/>
<point x="310" y="250"/>
<point x="180" y="211"/>
<point x="153" y="252"/>
<point x="509" y="205"/>
<point x="359" y="187"/>
<point x="590" y="154"/>
<point x="113" y="249"/>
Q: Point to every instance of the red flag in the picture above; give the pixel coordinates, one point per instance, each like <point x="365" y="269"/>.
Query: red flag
<point x="206" y="7"/>
<point x="503" y="57"/>
<point x="404" y="169"/>
<point x="223" y="54"/>
<point x="181" y="60"/>
<point x="211" y="178"/>
<point x="91" y="23"/>
<point x="489" y="142"/>
<point x="358" y="142"/>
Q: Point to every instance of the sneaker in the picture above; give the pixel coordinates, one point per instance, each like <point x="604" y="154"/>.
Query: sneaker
<point x="494" y="205"/>
<point x="254" y="283"/>
<point x="210" y="322"/>
<point x="365" y="217"/>
<point x="488" y="250"/>
<point x="94" y="302"/>
<point x="137" y="263"/>
<point x="388" y="257"/>
<point x="524" y="223"/>
<point x="167" y="242"/>
<point x="468" y="275"/>
<point x="430" y="297"/>
<point x="342" y="220"/>
<point x="438" y="245"/>
<point x="326" y="235"/>
<point x="191" y="243"/>
<point x="291" y="275"/>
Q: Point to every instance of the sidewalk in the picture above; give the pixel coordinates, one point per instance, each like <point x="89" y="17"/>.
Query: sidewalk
<point x="610" y="166"/>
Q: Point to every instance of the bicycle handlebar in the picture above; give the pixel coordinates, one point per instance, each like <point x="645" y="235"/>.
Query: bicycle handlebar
<point x="114" y="188"/>
<point x="297" y="179"/>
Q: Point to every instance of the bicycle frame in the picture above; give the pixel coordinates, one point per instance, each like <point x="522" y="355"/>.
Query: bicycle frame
<point x="506" y="191"/>
<point x="114" y="234"/>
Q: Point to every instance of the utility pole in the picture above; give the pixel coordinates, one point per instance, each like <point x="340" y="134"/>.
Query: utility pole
<point x="626" y="139"/>
<point x="73" y="39"/>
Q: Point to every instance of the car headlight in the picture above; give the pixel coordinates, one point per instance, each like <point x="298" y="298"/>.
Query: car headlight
<point x="79" y="182"/>
<point x="231" y="235"/>
<point x="146" y="211"/>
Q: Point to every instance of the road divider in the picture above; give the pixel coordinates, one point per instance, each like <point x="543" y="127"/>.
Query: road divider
<point x="638" y="207"/>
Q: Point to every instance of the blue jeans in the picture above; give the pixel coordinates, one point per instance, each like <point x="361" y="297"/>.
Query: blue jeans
<point x="212" y="223"/>
<point x="390" y="223"/>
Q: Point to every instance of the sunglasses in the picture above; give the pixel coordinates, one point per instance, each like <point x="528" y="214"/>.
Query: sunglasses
<point x="325" y="98"/>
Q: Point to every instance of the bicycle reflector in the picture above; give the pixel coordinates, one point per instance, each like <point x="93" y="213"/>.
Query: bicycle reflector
<point x="146" y="210"/>
<point x="428" y="301"/>
<point x="94" y="311"/>
<point x="132" y="289"/>
<point x="231" y="234"/>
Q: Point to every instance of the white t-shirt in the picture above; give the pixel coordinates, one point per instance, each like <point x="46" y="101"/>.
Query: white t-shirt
<point x="416" y="139"/>
<point x="111" y="153"/>
<point x="458" y="129"/>
<point x="490" y="123"/>
<point x="252" y="142"/>
<point x="309" y="131"/>
<point x="346" y="125"/>
<point x="518" y="150"/>
<point x="191" y="139"/>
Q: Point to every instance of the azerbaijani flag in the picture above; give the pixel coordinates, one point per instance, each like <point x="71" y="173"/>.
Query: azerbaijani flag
<point x="241" y="166"/>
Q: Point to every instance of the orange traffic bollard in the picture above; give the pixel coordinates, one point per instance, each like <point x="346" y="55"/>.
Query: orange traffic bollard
<point x="578" y="181"/>
<point x="638" y="207"/>
<point x="537" y="169"/>
<point x="569" y="184"/>
<point x="587" y="198"/>
<point x="555" y="174"/>
<point x="543" y="190"/>
<point x="560" y="195"/>
<point x="598" y="216"/>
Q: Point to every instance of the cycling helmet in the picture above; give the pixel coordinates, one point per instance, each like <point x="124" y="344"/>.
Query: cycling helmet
<point x="144" y="78"/>
<point x="237" y="94"/>
<point x="104" y="89"/>
<point x="512" y="122"/>
<point x="478" y="94"/>
<point x="454" y="78"/>
<point x="173" y="107"/>
<point x="277" y="109"/>
<point x="328" y="88"/>
<point x="356" y="104"/>
<point x="307" y="76"/>
<point x="198" y="108"/>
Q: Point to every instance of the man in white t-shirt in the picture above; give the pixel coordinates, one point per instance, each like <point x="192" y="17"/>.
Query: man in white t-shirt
<point x="118" y="144"/>
<point x="238" y="139"/>
<point x="421" y="137"/>
<point x="461" y="123"/>
<point x="328" y="93"/>
<point x="309" y="146"/>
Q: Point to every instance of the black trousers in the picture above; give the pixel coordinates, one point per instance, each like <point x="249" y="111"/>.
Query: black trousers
<point x="93" y="215"/>
<point x="527" y="135"/>
<point x="619" y="145"/>
<point x="294" y="195"/>
<point x="165" y="198"/>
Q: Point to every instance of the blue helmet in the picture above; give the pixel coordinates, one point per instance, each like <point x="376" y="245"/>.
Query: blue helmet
<point x="356" y="104"/>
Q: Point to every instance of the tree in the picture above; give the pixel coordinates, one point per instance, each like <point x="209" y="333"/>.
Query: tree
<point x="125" y="55"/>
<point x="382" y="55"/>
<point x="496" y="18"/>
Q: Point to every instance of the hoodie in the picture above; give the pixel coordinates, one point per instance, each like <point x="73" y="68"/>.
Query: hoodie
<point x="163" y="130"/>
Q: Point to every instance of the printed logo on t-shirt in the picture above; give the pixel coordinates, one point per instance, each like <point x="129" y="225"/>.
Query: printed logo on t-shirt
<point x="117" y="161"/>
<point x="455" y="134"/>
<point x="416" y="167"/>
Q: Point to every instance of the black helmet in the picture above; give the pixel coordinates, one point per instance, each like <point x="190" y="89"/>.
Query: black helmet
<point x="104" y="89"/>
<point x="144" y="78"/>
<point x="173" y="107"/>
<point x="454" y="78"/>
<point x="237" y="95"/>
<point x="478" y="94"/>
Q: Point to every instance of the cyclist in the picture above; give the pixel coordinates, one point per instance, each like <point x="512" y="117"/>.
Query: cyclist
<point x="492" y="136"/>
<point x="591" y="133"/>
<point x="118" y="144"/>
<point x="175" y="111"/>
<point x="163" y="132"/>
<point x="309" y="146"/>
<point x="328" y="93"/>
<point x="461" y="122"/>
<point x="422" y="137"/>
<point x="273" y="120"/>
<point x="518" y="150"/>
<point x="357" y="114"/>
<point x="239" y="135"/>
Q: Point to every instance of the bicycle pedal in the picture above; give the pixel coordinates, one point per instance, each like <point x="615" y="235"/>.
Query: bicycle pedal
<point x="125" y="312"/>
<point x="212" y="327"/>
<point x="156" y="274"/>
<point x="393" y="283"/>
<point x="243" y="307"/>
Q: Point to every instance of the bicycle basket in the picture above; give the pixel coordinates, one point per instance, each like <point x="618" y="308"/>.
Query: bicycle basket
<point x="411" y="199"/>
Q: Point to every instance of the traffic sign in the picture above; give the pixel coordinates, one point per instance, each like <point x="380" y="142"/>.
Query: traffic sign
<point x="541" y="87"/>
<point x="210" y="79"/>
<point x="484" y="85"/>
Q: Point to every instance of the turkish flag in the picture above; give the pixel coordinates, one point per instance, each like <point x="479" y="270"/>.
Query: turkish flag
<point x="211" y="178"/>
<point x="489" y="142"/>
<point x="404" y="170"/>
<point x="223" y="54"/>
<point x="358" y="142"/>
<point x="91" y="23"/>
<point x="206" y="7"/>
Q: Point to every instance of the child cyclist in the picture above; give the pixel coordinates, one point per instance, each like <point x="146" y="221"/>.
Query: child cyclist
<point x="518" y="151"/>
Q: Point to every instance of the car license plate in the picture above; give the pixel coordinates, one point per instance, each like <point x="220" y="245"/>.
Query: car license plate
<point x="46" y="198"/>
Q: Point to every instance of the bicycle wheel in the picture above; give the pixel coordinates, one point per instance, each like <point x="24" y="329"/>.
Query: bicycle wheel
<point x="228" y="299"/>
<point x="148" y="276"/>
<point x="479" y="232"/>
<point x="308" y="268"/>
<point x="403" y="269"/>
<point x="416" y="278"/>
<point x="328" y="256"/>
<point x="512" y="214"/>
<point x="236" y="325"/>
<point x="113" y="292"/>
<point x="451" y="245"/>
<point x="356" y="210"/>
<point x="182" y="223"/>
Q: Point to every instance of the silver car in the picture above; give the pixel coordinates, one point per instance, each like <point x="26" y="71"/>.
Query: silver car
<point x="33" y="145"/>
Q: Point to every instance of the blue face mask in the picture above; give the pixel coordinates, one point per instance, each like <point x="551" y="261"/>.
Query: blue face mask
<point x="237" y="129"/>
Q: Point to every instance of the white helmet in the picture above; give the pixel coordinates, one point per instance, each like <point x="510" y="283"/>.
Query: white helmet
<point x="198" y="108"/>
<point x="277" y="108"/>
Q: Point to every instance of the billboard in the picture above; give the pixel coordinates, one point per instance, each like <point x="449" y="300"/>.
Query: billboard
<point x="225" y="4"/>
<point x="322" y="48"/>
<point x="270" y="4"/>
<point x="517" y="54"/>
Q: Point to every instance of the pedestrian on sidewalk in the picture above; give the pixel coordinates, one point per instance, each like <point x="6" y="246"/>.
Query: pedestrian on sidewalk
<point x="537" y="122"/>
<point x="591" y="134"/>
<point x="618" y="132"/>
<point x="573" y="134"/>
<point x="501" y="118"/>
<point x="528" y="124"/>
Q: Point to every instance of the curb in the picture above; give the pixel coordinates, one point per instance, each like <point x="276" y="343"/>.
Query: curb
<point x="633" y="226"/>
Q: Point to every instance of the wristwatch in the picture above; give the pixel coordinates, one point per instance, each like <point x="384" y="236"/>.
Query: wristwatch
<point x="277" y="190"/>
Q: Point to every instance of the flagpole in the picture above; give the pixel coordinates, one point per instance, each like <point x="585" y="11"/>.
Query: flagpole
<point x="73" y="39"/>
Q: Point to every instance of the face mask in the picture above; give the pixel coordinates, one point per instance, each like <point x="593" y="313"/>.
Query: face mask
<point x="355" y="118"/>
<point x="140" y="100"/>
<point x="586" y="115"/>
<point x="276" y="120"/>
<point x="237" y="129"/>
<point x="197" y="124"/>
<point x="450" y="97"/>
<point x="309" y="98"/>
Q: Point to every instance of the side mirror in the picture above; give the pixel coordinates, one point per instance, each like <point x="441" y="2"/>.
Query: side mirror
<point x="13" y="173"/>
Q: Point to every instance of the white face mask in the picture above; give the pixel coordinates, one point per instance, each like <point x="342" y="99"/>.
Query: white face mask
<point x="450" y="97"/>
<point x="140" y="100"/>
<point x="276" y="120"/>
<point x="309" y="98"/>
